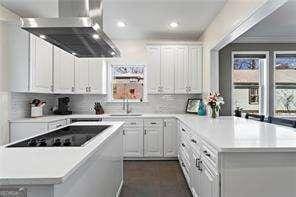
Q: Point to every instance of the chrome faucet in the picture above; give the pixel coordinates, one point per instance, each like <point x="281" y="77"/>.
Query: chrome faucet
<point x="126" y="106"/>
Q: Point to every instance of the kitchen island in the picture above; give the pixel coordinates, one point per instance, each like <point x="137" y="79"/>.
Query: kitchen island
<point x="222" y="157"/>
<point x="93" y="169"/>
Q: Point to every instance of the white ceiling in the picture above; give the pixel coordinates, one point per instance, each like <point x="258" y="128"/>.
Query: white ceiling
<point x="280" y="26"/>
<point x="145" y="19"/>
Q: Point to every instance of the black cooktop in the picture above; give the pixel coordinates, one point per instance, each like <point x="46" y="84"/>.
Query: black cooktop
<point x="64" y="137"/>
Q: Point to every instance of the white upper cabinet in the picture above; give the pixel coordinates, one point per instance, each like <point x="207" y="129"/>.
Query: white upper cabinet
<point x="195" y="69"/>
<point x="41" y="65"/>
<point x="81" y="75"/>
<point x="97" y="76"/>
<point x="63" y="71"/>
<point x="181" y="69"/>
<point x="90" y="76"/>
<point x="153" y="69"/>
<point x="167" y="69"/>
<point x="174" y="69"/>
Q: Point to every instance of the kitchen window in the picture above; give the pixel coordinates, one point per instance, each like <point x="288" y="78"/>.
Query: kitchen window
<point x="285" y="83"/>
<point x="127" y="82"/>
<point x="249" y="81"/>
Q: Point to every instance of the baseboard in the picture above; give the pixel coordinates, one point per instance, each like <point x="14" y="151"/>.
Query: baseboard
<point x="119" y="189"/>
<point x="150" y="158"/>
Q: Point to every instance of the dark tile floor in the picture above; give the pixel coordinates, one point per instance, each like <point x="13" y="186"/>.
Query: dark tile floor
<point x="154" y="179"/>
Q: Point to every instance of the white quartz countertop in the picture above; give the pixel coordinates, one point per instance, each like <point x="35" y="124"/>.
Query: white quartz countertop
<point x="226" y="133"/>
<point x="232" y="134"/>
<point x="49" y="165"/>
<point x="53" y="118"/>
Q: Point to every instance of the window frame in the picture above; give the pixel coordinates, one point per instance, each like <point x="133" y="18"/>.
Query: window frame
<point x="109" y="82"/>
<point x="275" y="53"/>
<point x="263" y="81"/>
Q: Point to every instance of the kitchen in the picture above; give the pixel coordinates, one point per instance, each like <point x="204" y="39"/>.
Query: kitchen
<point x="110" y="104"/>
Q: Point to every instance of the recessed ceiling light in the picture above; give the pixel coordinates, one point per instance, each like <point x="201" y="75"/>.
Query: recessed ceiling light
<point x="174" y="24"/>
<point x="42" y="36"/>
<point x="96" y="36"/>
<point x="112" y="53"/>
<point x="121" y="24"/>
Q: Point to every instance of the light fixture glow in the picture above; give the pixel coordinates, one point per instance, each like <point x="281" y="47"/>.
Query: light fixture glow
<point x="121" y="24"/>
<point x="112" y="53"/>
<point x="74" y="53"/>
<point x="174" y="24"/>
<point x="96" y="36"/>
<point x="42" y="36"/>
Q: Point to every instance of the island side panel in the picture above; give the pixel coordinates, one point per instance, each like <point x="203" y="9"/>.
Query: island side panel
<point x="258" y="174"/>
<point x="100" y="176"/>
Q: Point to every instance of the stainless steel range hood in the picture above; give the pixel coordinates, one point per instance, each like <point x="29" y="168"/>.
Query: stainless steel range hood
<point x="78" y="29"/>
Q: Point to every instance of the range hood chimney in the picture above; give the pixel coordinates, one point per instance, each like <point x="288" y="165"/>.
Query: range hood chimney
<point x="78" y="29"/>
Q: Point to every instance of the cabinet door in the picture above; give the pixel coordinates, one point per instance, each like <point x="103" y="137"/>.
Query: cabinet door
<point x="181" y="69"/>
<point x="195" y="175"/>
<point x="63" y="71"/>
<point x="153" y="141"/>
<point x="41" y="65"/>
<point x="170" y="138"/>
<point x="167" y="69"/>
<point x="133" y="141"/>
<point x="81" y="75"/>
<point x="153" y="69"/>
<point x="97" y="76"/>
<point x="195" y="69"/>
<point x="209" y="183"/>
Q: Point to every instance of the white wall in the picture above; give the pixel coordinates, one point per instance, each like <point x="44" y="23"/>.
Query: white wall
<point x="236" y="17"/>
<point x="5" y="17"/>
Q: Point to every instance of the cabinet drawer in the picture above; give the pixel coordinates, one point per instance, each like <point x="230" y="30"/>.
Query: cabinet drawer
<point x="133" y="123"/>
<point x="195" y="142"/>
<point x="153" y="122"/>
<point x="210" y="154"/>
<point x="185" y="166"/>
<point x="57" y="124"/>
<point x="184" y="130"/>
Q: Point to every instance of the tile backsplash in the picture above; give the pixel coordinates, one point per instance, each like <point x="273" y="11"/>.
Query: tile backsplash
<point x="83" y="104"/>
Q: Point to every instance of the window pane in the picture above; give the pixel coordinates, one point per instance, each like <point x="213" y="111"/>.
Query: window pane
<point x="285" y="85"/>
<point x="128" y="82"/>
<point x="246" y="79"/>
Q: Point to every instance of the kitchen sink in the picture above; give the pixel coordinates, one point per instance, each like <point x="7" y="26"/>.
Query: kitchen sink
<point x="126" y="114"/>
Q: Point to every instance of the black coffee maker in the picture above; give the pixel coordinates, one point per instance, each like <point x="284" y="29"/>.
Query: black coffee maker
<point x="63" y="106"/>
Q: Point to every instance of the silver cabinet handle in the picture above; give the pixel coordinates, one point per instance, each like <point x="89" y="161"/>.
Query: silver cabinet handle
<point x="145" y="131"/>
<point x="183" y="130"/>
<point x="51" y="88"/>
<point x="198" y="163"/>
<point x="152" y="122"/>
<point x="73" y="89"/>
<point x="123" y="132"/>
<point x="59" y="125"/>
<point x="206" y="153"/>
<point x="183" y="144"/>
<point x="165" y="123"/>
<point x="193" y="141"/>
<point x="89" y="89"/>
<point x="86" y="89"/>
<point x="133" y="123"/>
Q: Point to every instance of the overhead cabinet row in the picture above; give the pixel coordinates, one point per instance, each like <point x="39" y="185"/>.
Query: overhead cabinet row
<point x="38" y="66"/>
<point x="174" y="69"/>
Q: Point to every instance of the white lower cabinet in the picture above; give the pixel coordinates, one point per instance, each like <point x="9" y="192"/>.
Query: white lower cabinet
<point x="22" y="130"/>
<point x="204" y="177"/>
<point x="209" y="182"/>
<point x="133" y="139"/>
<point x="170" y="137"/>
<point x="153" y="138"/>
<point x="195" y="173"/>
